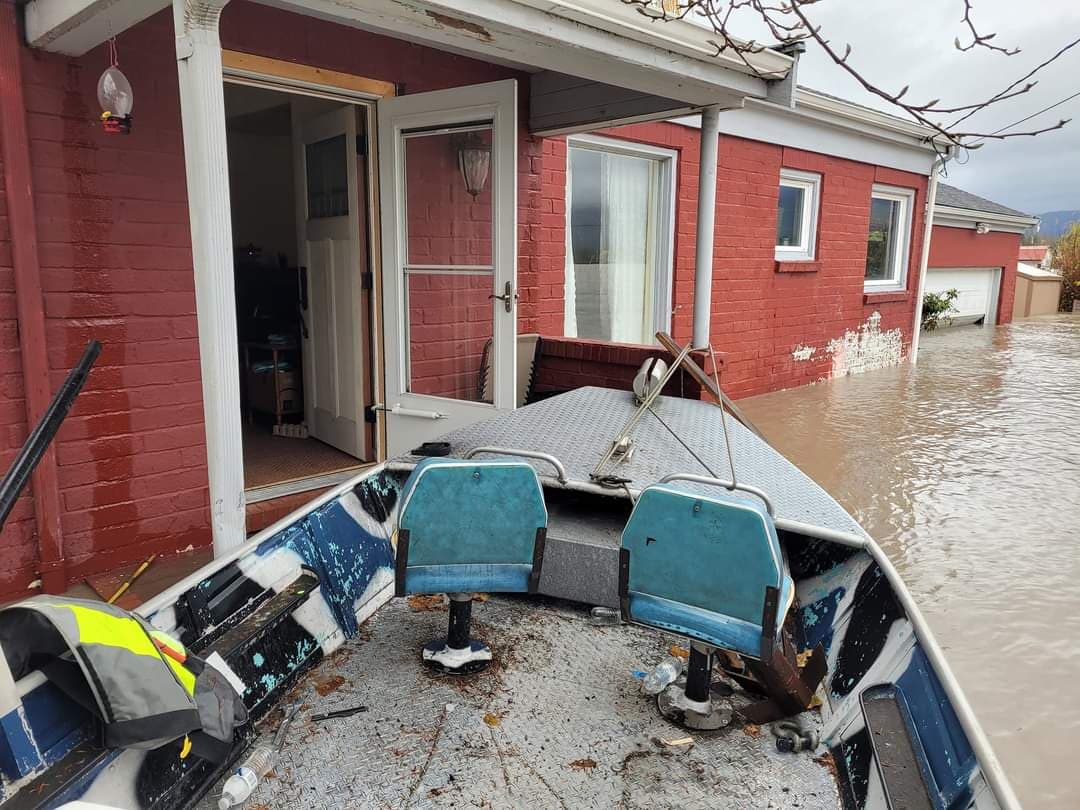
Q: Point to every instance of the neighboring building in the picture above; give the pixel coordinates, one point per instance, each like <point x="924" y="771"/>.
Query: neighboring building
<point x="350" y="228"/>
<point x="1038" y="255"/>
<point x="1038" y="285"/>
<point x="974" y="249"/>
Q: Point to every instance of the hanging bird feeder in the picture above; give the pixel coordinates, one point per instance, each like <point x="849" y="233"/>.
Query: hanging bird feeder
<point x="115" y="96"/>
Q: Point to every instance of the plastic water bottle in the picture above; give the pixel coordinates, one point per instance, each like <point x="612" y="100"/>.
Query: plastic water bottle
<point x="663" y="676"/>
<point x="243" y="782"/>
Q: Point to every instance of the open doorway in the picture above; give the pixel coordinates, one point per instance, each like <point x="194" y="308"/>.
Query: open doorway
<point x="298" y="186"/>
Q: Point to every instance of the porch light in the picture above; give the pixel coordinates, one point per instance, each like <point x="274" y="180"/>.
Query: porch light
<point x="982" y="227"/>
<point x="474" y="160"/>
<point x="115" y="96"/>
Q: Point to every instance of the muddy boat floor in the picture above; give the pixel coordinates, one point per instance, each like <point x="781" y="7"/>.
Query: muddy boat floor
<point x="559" y="720"/>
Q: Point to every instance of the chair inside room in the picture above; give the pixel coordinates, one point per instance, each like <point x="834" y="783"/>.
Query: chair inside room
<point x="710" y="568"/>
<point x="467" y="527"/>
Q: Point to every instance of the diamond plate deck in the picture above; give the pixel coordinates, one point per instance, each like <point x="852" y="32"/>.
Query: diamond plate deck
<point x="559" y="721"/>
<point x="578" y="427"/>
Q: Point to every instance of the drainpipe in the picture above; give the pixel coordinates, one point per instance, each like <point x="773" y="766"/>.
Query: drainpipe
<point x="928" y="230"/>
<point x="706" y="222"/>
<point x="29" y="302"/>
<point x="202" y="107"/>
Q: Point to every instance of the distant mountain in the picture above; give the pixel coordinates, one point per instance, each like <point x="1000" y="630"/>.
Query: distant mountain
<point x="1053" y="224"/>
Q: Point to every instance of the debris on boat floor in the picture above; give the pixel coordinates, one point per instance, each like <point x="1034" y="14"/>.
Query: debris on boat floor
<point x="556" y="721"/>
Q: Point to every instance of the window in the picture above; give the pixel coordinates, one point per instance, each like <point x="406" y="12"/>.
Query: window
<point x="619" y="230"/>
<point x="796" y="215"/>
<point x="889" y="238"/>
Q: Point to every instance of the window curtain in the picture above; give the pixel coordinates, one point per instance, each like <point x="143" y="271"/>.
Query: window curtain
<point x="627" y="201"/>
<point x="570" y="269"/>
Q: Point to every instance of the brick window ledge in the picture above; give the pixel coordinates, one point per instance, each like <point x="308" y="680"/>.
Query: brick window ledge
<point x="885" y="297"/>
<point x="797" y="266"/>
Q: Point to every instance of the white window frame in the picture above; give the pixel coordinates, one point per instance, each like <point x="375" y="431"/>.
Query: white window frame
<point x="898" y="278"/>
<point x="810" y="183"/>
<point x="665" y="220"/>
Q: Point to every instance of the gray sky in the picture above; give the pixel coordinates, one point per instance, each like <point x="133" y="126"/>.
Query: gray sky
<point x="898" y="42"/>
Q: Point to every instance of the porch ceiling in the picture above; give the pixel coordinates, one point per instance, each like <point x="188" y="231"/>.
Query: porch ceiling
<point x="665" y="67"/>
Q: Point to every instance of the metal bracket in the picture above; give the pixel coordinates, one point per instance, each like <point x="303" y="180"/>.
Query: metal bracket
<point x="185" y="48"/>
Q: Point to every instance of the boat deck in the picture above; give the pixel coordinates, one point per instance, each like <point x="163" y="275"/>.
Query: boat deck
<point x="559" y="720"/>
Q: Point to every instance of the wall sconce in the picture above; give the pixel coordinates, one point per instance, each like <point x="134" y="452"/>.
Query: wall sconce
<point x="982" y="227"/>
<point x="115" y="96"/>
<point x="474" y="161"/>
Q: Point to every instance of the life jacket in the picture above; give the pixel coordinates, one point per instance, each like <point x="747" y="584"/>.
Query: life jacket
<point x="106" y="659"/>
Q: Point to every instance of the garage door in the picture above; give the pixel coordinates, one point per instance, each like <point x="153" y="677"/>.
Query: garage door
<point x="978" y="289"/>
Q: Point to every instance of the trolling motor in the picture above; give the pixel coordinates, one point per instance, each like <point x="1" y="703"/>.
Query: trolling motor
<point x="38" y="441"/>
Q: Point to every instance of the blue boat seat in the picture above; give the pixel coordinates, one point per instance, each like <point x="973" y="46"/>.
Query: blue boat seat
<point x="466" y="526"/>
<point x="470" y="526"/>
<point x="702" y="565"/>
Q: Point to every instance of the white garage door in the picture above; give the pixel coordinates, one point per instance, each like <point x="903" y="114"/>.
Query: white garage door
<point x="977" y="288"/>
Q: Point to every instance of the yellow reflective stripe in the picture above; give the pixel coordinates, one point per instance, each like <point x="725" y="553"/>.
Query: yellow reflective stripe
<point x="96" y="627"/>
<point x="183" y="674"/>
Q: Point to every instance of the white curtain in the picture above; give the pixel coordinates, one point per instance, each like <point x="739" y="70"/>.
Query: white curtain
<point x="625" y="222"/>
<point x="569" y="280"/>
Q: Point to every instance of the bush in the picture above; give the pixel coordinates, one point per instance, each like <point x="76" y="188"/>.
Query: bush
<point x="936" y="308"/>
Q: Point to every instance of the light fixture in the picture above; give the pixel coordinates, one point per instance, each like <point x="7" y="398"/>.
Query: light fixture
<point x="982" y="227"/>
<point x="115" y="96"/>
<point x="474" y="161"/>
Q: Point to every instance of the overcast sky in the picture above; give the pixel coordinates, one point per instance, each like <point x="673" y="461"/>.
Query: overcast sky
<point x="898" y="42"/>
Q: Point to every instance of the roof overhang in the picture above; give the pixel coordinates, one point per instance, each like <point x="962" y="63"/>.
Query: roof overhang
<point x="670" y="65"/>
<point x="950" y="217"/>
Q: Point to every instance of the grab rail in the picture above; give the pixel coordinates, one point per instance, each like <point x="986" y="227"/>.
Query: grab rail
<point x="510" y="451"/>
<point x="718" y="482"/>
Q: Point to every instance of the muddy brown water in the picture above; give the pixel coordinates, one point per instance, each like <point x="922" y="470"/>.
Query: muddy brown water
<point x="966" y="470"/>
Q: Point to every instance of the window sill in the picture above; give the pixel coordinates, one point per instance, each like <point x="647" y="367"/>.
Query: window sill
<point x="885" y="296"/>
<point x="797" y="266"/>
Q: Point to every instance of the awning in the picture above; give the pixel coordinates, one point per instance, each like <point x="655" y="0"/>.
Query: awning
<point x="596" y="62"/>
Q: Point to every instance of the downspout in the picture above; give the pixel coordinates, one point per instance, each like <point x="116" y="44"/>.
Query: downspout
<point x="928" y="231"/>
<point x="706" y="225"/>
<point x="29" y="302"/>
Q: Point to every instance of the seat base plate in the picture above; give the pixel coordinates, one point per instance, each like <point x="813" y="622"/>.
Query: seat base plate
<point x="713" y="714"/>
<point x="441" y="657"/>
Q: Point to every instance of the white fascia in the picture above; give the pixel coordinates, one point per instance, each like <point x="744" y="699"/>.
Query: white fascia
<point x="948" y="217"/>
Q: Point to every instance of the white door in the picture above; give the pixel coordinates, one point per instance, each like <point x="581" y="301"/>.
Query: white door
<point x="977" y="292"/>
<point x="448" y="179"/>
<point x="330" y="234"/>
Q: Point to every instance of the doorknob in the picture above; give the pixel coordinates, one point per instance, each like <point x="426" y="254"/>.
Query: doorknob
<point x="508" y="297"/>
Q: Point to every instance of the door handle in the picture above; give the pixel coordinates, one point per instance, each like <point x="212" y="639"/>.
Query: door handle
<point x="508" y="297"/>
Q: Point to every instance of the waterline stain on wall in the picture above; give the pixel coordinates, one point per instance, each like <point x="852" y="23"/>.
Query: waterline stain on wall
<point x="867" y="349"/>
<point x="803" y="353"/>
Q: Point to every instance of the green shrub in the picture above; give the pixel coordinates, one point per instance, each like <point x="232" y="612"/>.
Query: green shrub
<point x="936" y="308"/>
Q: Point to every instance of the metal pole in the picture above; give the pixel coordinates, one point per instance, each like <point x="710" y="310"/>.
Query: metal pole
<point x="706" y="222"/>
<point x="928" y="231"/>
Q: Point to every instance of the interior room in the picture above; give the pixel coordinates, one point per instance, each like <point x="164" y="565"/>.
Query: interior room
<point x="279" y="304"/>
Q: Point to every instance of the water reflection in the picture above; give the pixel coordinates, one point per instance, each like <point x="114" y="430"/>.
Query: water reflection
<point x="966" y="469"/>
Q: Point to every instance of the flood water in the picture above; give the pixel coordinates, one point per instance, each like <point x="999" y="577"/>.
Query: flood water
<point x="966" y="470"/>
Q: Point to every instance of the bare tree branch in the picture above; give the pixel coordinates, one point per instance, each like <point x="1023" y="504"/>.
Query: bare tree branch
<point x="789" y="21"/>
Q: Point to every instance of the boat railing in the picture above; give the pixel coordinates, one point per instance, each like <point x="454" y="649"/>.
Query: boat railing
<point x="719" y="482"/>
<point x="560" y="470"/>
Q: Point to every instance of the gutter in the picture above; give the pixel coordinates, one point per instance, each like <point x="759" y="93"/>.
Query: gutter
<point x="29" y="301"/>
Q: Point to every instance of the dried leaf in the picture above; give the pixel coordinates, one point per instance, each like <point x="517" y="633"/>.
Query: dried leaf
<point x="492" y="720"/>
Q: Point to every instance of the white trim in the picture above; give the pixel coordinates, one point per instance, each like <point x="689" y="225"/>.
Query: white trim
<point x="271" y="491"/>
<point x="810" y="184"/>
<point x="665" y="246"/>
<point x="946" y="216"/>
<point x="928" y="232"/>
<point x="898" y="278"/>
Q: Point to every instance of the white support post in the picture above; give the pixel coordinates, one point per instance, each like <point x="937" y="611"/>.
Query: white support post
<point x="202" y="106"/>
<point x="928" y="231"/>
<point x="706" y="222"/>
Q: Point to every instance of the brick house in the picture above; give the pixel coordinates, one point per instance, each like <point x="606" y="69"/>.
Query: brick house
<point x="344" y="219"/>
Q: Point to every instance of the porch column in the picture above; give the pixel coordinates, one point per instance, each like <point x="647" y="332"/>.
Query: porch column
<point x="706" y="222"/>
<point x="202" y="106"/>
<point x="928" y="230"/>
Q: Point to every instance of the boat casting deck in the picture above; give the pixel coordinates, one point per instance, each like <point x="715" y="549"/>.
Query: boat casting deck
<point x="558" y="721"/>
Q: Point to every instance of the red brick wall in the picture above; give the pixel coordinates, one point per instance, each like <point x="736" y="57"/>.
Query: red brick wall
<point x="963" y="247"/>
<point x="760" y="315"/>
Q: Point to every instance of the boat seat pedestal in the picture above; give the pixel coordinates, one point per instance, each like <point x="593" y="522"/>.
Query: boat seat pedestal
<point x="691" y="701"/>
<point x="458" y="653"/>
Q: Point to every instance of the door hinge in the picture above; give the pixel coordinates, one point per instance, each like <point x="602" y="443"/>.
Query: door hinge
<point x="370" y="416"/>
<point x="361" y="145"/>
<point x="367" y="280"/>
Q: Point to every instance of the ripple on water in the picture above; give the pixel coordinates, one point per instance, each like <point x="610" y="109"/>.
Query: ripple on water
<point x="966" y="469"/>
